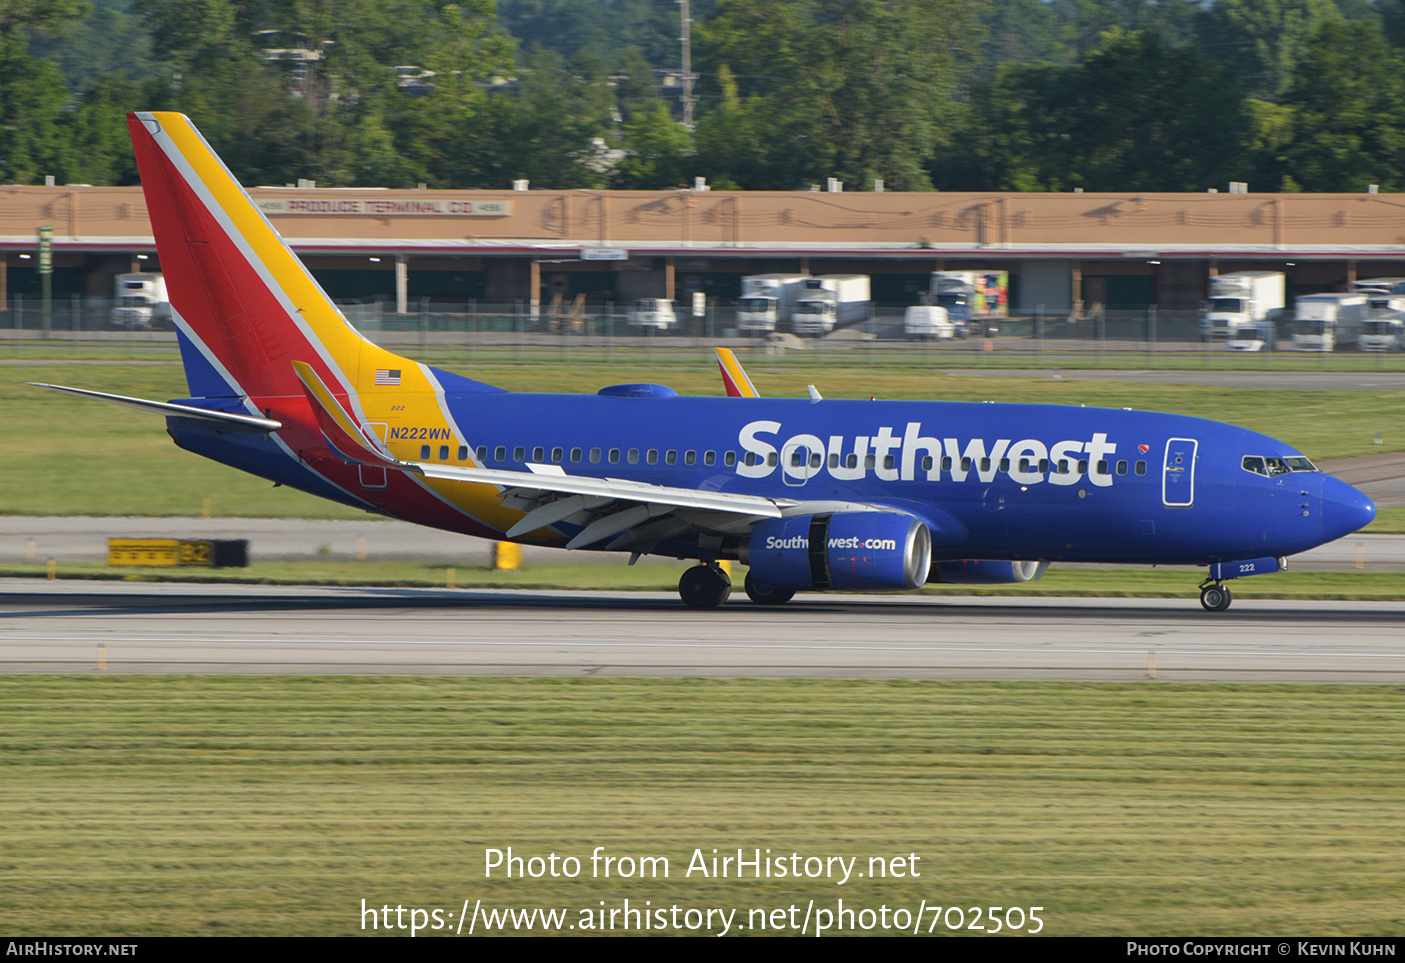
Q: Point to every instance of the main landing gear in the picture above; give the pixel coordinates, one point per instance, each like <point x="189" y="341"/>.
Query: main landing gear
<point x="1214" y="596"/>
<point x="704" y="587"/>
<point x="765" y="595"/>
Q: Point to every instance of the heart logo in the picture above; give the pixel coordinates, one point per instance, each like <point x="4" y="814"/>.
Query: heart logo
<point x="1143" y="448"/>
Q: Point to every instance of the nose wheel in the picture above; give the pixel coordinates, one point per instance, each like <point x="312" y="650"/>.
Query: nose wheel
<point x="1214" y="597"/>
<point x="704" y="587"/>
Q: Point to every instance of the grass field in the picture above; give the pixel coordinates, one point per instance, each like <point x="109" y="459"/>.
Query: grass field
<point x="144" y="805"/>
<point x="68" y="456"/>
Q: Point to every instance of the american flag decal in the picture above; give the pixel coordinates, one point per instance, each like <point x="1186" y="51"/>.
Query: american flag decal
<point x="387" y="376"/>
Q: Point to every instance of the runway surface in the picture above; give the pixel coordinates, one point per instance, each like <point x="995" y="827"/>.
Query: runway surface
<point x="114" y="627"/>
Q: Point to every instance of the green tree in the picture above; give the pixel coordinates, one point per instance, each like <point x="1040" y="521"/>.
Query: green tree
<point x="1264" y="39"/>
<point x="1137" y="114"/>
<point x="1348" y="122"/>
<point x="857" y="89"/>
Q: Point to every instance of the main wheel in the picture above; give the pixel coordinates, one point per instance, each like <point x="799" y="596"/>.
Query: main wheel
<point x="704" y="587"/>
<point x="1215" y="598"/>
<point x="765" y="595"/>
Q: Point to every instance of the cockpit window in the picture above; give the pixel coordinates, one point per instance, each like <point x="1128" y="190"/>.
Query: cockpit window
<point x="1273" y="467"/>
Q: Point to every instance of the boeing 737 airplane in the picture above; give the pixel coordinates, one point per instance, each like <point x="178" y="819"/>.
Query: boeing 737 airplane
<point x="809" y="494"/>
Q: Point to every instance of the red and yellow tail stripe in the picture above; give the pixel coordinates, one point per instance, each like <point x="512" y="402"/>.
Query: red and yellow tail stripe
<point x="734" y="378"/>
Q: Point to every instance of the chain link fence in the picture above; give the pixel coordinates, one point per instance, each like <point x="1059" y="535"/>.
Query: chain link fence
<point x="521" y="331"/>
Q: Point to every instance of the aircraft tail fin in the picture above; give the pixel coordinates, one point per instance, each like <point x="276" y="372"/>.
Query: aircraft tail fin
<point x="243" y="303"/>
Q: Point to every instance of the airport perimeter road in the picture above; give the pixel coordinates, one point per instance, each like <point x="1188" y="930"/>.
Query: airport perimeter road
<point x="96" y="627"/>
<point x="1296" y="380"/>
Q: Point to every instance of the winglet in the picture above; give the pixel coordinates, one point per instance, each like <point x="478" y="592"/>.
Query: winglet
<point x="343" y="433"/>
<point x="734" y="378"/>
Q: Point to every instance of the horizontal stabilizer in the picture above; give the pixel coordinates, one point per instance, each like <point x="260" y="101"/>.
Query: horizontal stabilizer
<point x="231" y="422"/>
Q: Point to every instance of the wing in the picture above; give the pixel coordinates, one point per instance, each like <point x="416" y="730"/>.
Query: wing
<point x="629" y="514"/>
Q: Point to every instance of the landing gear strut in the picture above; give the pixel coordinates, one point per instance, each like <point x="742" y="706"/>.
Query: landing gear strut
<point x="704" y="587"/>
<point x="765" y="595"/>
<point x="1214" y="597"/>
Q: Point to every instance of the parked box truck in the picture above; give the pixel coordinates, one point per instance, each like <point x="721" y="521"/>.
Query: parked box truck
<point x="968" y="295"/>
<point x="830" y="301"/>
<point x="767" y="301"/>
<point x="139" y="301"/>
<point x="1325" y="322"/>
<point x="1239" y="303"/>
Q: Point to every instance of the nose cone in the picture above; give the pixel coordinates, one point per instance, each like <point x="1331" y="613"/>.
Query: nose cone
<point x="1344" y="509"/>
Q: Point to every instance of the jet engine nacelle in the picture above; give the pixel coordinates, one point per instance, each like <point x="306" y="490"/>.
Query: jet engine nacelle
<point x="983" y="572"/>
<point x="846" y="550"/>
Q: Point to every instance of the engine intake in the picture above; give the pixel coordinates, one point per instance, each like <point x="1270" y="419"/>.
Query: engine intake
<point x="847" y="550"/>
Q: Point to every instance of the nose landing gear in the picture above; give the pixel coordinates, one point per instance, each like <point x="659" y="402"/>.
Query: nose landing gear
<point x="1214" y="596"/>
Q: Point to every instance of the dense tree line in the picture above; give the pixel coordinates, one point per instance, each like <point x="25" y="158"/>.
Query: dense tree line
<point x="947" y="94"/>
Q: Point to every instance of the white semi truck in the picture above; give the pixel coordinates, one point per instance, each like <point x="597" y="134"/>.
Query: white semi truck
<point x="767" y="301"/>
<point x="140" y="301"/>
<point x="831" y="301"/>
<point x="1325" y="322"/>
<point x="1240" y="303"/>
<point x="967" y="295"/>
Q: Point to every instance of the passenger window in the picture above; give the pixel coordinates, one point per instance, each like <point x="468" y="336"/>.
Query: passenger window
<point x="834" y="459"/>
<point x="1061" y="466"/>
<point x="670" y="457"/>
<point x="1121" y="468"/>
<point x="946" y="463"/>
<point x="595" y="456"/>
<point x="815" y="459"/>
<point x="1026" y="465"/>
<point x="443" y="452"/>
<point x="965" y="464"/>
<point x="750" y="457"/>
<point x="519" y="453"/>
<point x="539" y="455"/>
<point x="1004" y="464"/>
<point x="927" y="462"/>
<point x="424" y="453"/>
<point x="710" y="458"/>
<point x="614" y="456"/>
<point x="556" y="455"/>
<point x="690" y="457"/>
<point x="463" y="453"/>
<point x="852" y="461"/>
<point x="797" y="458"/>
<point x="1043" y="465"/>
<point x="652" y="456"/>
<point x="500" y="453"/>
<point x="1141" y="468"/>
<point x="632" y="456"/>
<point x="729" y="459"/>
<point x="482" y="453"/>
<point x="575" y="455"/>
<point x="1083" y="467"/>
<point x="773" y="459"/>
<point x="985" y="464"/>
<point x="870" y="461"/>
